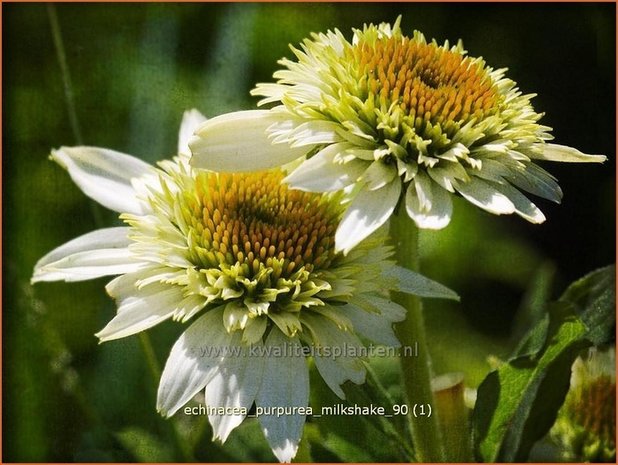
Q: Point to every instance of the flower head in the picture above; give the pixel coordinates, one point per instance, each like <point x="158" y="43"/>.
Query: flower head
<point x="387" y="116"/>
<point x="252" y="264"/>
<point x="586" y="424"/>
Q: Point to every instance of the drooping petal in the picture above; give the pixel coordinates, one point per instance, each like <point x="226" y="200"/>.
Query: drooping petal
<point x="413" y="283"/>
<point x="104" y="175"/>
<point x="368" y="211"/>
<point x="484" y="195"/>
<point x="237" y="142"/>
<point x="193" y="362"/>
<point x="321" y="173"/>
<point x="336" y="353"/>
<point x="534" y="179"/>
<point x="439" y="214"/>
<point x="378" y="328"/>
<point x="379" y="306"/>
<point x="191" y="120"/>
<point x="234" y="386"/>
<point x="523" y="206"/>
<point x="556" y="152"/>
<point x="285" y="383"/>
<point x="99" y="253"/>
<point x="143" y="309"/>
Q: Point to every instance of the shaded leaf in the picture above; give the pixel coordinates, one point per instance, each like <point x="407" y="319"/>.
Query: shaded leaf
<point x="516" y="402"/>
<point x="594" y="298"/>
<point x="339" y="434"/>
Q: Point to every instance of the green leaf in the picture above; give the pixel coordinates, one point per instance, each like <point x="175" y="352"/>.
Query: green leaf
<point x="414" y="283"/>
<point x="594" y="298"/>
<point x="339" y="435"/>
<point x="517" y="403"/>
<point x="534" y="341"/>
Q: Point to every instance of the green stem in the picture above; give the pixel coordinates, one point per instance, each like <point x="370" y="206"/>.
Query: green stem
<point x="64" y="71"/>
<point x="151" y="358"/>
<point x="416" y="368"/>
<point x="68" y="93"/>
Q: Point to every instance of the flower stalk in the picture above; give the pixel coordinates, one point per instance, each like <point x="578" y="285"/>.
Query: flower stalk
<point x="448" y="392"/>
<point x="416" y="369"/>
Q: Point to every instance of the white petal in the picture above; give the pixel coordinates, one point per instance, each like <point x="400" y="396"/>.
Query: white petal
<point x="484" y="195"/>
<point x="555" y="152"/>
<point x="534" y="179"/>
<point x="99" y="253"/>
<point x="144" y="309"/>
<point x="423" y="191"/>
<point x="104" y="175"/>
<point x="234" y="386"/>
<point x="191" y="120"/>
<point x="378" y="328"/>
<point x="455" y="153"/>
<point x="368" y="211"/>
<point x="411" y="282"/>
<point x="287" y="322"/>
<point x="447" y="176"/>
<point x="235" y="316"/>
<point x="523" y="206"/>
<point x="89" y="265"/>
<point x="379" y="174"/>
<point x="494" y="171"/>
<point x="237" y="142"/>
<point x="254" y="331"/>
<point x="285" y="383"/>
<point x="439" y="214"/>
<point x="379" y="306"/>
<point x="193" y="362"/>
<point x="321" y="173"/>
<point x="314" y="133"/>
<point x="334" y="353"/>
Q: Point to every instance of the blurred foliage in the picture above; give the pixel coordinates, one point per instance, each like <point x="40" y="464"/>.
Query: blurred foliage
<point x="135" y="68"/>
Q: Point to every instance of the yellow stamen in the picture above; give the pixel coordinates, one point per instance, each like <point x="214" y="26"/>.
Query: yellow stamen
<point x="430" y="84"/>
<point x="254" y="218"/>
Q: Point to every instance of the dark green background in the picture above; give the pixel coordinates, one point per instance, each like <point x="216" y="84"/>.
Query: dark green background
<point x="134" y="69"/>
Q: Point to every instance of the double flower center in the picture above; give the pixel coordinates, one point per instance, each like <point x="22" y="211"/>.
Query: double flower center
<point x="253" y="219"/>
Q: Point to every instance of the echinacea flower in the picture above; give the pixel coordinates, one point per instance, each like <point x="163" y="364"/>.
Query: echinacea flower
<point x="392" y="117"/>
<point x="252" y="264"/>
<point x="586" y="424"/>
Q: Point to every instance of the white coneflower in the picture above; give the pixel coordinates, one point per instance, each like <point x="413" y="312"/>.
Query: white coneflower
<point x="388" y="117"/>
<point x="253" y="263"/>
